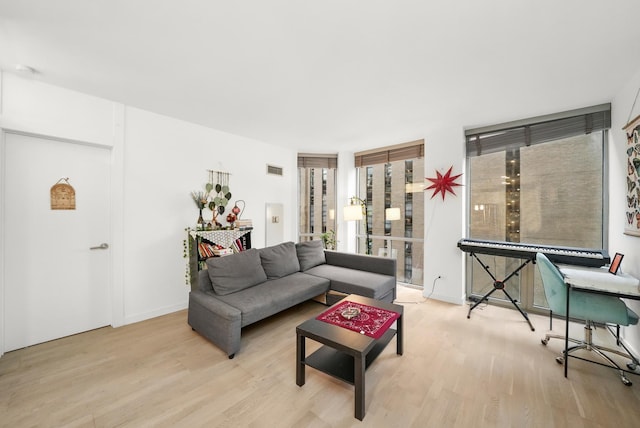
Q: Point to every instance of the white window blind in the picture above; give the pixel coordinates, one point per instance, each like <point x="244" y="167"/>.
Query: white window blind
<point x="512" y="135"/>
<point x="411" y="150"/>
<point x="317" y="160"/>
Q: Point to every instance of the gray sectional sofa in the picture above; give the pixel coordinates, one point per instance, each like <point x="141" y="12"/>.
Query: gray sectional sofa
<point x="237" y="290"/>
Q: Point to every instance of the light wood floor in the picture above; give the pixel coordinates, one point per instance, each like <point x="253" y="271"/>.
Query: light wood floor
<point x="487" y="371"/>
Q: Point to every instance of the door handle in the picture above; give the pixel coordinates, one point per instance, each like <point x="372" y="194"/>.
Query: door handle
<point x="102" y="246"/>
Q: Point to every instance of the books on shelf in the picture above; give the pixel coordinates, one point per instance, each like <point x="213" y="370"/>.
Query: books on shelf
<point x="244" y="224"/>
<point x="208" y="249"/>
<point x="237" y="246"/>
<point x="222" y="252"/>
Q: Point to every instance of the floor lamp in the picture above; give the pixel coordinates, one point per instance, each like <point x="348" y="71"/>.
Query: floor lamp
<point x="356" y="210"/>
<point x="391" y="214"/>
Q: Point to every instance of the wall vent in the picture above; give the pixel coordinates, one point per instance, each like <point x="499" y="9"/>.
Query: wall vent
<point x="274" y="170"/>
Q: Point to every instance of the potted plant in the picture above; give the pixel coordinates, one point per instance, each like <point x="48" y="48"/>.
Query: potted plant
<point x="329" y="239"/>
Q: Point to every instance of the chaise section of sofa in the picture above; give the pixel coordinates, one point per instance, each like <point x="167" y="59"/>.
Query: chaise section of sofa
<point x="241" y="289"/>
<point x="368" y="276"/>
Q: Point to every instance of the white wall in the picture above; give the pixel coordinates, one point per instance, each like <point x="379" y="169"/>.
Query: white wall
<point x="444" y="148"/>
<point x="33" y="107"/>
<point x="166" y="159"/>
<point x="618" y="241"/>
<point x="157" y="162"/>
<point x="346" y="188"/>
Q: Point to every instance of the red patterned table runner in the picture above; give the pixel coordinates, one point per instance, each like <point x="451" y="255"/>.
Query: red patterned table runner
<point x="371" y="321"/>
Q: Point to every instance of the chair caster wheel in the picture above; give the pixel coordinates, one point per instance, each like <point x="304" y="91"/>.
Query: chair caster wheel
<point x="631" y="366"/>
<point x="625" y="380"/>
<point x="560" y="360"/>
<point x="231" y="356"/>
<point x="544" y="341"/>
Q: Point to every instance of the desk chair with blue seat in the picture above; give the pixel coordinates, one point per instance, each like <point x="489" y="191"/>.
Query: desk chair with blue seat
<point x="589" y="307"/>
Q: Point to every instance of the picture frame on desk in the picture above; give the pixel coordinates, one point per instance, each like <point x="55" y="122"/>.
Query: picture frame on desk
<point x="614" y="267"/>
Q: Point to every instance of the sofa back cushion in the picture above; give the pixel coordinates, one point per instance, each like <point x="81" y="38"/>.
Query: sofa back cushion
<point x="236" y="272"/>
<point x="279" y="260"/>
<point x="310" y="254"/>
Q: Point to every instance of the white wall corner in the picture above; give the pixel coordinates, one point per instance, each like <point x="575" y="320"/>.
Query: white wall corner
<point x="2" y="235"/>
<point x="117" y="216"/>
<point x="444" y="218"/>
<point x="1" y="103"/>
<point x="346" y="230"/>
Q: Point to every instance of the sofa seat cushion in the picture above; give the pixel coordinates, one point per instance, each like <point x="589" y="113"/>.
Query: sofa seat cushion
<point x="275" y="295"/>
<point x="353" y="281"/>
<point x="230" y="274"/>
<point x="279" y="260"/>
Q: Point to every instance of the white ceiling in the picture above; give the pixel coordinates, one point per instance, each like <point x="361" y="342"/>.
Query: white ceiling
<point x="333" y="74"/>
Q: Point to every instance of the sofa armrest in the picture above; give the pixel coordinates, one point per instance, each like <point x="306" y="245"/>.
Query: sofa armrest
<point x="375" y="264"/>
<point x="215" y="320"/>
<point x="215" y="306"/>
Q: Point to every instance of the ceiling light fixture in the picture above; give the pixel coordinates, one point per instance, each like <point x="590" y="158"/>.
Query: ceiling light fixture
<point x="24" y="69"/>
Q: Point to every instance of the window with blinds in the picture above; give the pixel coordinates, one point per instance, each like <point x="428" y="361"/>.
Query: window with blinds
<point x="392" y="177"/>
<point x="538" y="181"/>
<point x="317" y="196"/>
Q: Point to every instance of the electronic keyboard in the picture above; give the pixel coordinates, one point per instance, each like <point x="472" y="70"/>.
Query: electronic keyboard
<point x="563" y="255"/>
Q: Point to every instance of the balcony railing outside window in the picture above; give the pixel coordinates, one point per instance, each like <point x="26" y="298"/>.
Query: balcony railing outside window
<point x="392" y="185"/>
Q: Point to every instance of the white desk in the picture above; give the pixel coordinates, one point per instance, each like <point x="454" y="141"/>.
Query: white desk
<point x="599" y="281"/>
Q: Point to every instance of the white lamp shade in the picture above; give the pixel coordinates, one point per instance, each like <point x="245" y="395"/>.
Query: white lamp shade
<point x="392" y="214"/>
<point x="352" y="212"/>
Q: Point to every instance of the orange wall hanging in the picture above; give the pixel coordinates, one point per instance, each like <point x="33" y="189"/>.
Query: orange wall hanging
<point x="63" y="196"/>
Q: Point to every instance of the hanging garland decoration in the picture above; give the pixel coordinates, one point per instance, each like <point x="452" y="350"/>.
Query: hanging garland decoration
<point x="218" y="194"/>
<point x="443" y="183"/>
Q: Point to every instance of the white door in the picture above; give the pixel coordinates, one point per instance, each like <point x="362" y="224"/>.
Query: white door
<point x="54" y="284"/>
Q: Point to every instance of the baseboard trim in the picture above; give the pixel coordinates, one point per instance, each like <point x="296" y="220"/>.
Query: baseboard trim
<point x="448" y="299"/>
<point x="131" y="319"/>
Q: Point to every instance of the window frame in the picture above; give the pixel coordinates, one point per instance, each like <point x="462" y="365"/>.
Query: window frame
<point x="321" y="226"/>
<point x="527" y="280"/>
<point x="392" y="161"/>
<point x="602" y="123"/>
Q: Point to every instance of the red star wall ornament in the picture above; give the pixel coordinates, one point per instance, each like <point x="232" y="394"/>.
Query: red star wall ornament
<point x="443" y="183"/>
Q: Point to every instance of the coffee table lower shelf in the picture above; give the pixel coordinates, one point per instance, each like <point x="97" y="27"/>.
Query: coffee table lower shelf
<point x="340" y="365"/>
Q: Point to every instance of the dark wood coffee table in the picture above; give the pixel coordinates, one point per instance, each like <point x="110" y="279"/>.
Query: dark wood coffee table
<point x="346" y="354"/>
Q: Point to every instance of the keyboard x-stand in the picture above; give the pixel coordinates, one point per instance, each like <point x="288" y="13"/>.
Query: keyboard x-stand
<point x="527" y="253"/>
